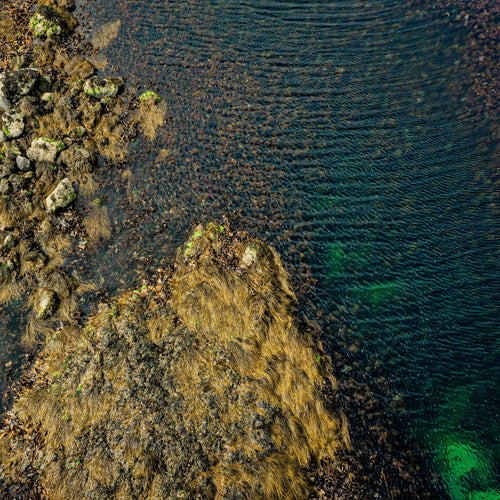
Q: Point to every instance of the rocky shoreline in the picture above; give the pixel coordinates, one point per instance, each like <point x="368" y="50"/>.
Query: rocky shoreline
<point x="256" y="428"/>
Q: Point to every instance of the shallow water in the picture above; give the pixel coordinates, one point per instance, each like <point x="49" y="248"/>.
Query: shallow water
<point x="336" y="131"/>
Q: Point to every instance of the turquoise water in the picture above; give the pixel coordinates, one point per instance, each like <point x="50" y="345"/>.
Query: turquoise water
<point x="338" y="131"/>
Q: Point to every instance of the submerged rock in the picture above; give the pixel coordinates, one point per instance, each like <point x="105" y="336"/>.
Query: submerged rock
<point x="79" y="69"/>
<point x="18" y="83"/>
<point x="43" y="149"/>
<point x="100" y="87"/>
<point x="61" y="197"/>
<point x="79" y="158"/>
<point x="211" y="393"/>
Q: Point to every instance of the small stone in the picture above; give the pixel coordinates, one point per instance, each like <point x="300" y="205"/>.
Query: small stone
<point x="61" y="197"/>
<point x="5" y="187"/>
<point x="46" y="22"/>
<point x="3" y="138"/>
<point x="46" y="304"/>
<point x="249" y="255"/>
<point x="17" y="182"/>
<point x="47" y="96"/>
<point x="23" y="163"/>
<point x="4" y="103"/>
<point x="13" y="124"/>
<point x="100" y="87"/>
<point x="43" y="149"/>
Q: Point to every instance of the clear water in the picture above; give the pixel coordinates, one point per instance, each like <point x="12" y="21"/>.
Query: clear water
<point x="337" y="131"/>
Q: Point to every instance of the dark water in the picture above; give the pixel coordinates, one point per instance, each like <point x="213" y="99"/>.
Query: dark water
<point x="337" y="131"/>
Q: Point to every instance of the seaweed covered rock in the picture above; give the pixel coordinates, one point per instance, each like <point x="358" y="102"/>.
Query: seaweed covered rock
<point x="50" y="21"/>
<point x="46" y="22"/>
<point x="205" y="389"/>
<point x="99" y="87"/>
<point x="15" y="84"/>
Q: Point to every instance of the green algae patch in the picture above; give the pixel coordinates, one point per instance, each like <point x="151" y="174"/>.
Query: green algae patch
<point x="464" y="468"/>
<point x="45" y="23"/>
<point x="100" y="88"/>
<point x="341" y="260"/>
<point x="149" y="95"/>
<point x="205" y="389"/>
<point x="490" y="494"/>
<point x="463" y="459"/>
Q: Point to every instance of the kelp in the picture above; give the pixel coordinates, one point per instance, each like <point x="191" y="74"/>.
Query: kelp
<point x="203" y="385"/>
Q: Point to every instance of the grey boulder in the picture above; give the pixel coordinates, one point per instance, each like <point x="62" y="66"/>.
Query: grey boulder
<point x="43" y="149"/>
<point x="61" y="197"/>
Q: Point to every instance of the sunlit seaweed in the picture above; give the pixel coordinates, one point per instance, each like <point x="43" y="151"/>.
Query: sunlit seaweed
<point x="97" y="223"/>
<point x="151" y="114"/>
<point x="213" y="393"/>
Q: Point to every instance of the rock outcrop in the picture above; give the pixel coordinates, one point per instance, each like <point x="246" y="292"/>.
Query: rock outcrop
<point x="213" y="393"/>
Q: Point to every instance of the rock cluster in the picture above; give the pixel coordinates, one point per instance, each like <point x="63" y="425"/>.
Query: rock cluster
<point x="56" y="116"/>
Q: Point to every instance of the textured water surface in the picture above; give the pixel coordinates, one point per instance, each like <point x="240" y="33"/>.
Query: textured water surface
<point x="337" y="131"/>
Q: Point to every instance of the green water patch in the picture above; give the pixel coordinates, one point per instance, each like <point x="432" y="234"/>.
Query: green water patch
<point x="465" y="461"/>
<point x="466" y="468"/>
<point x="380" y="294"/>
<point x="342" y="260"/>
